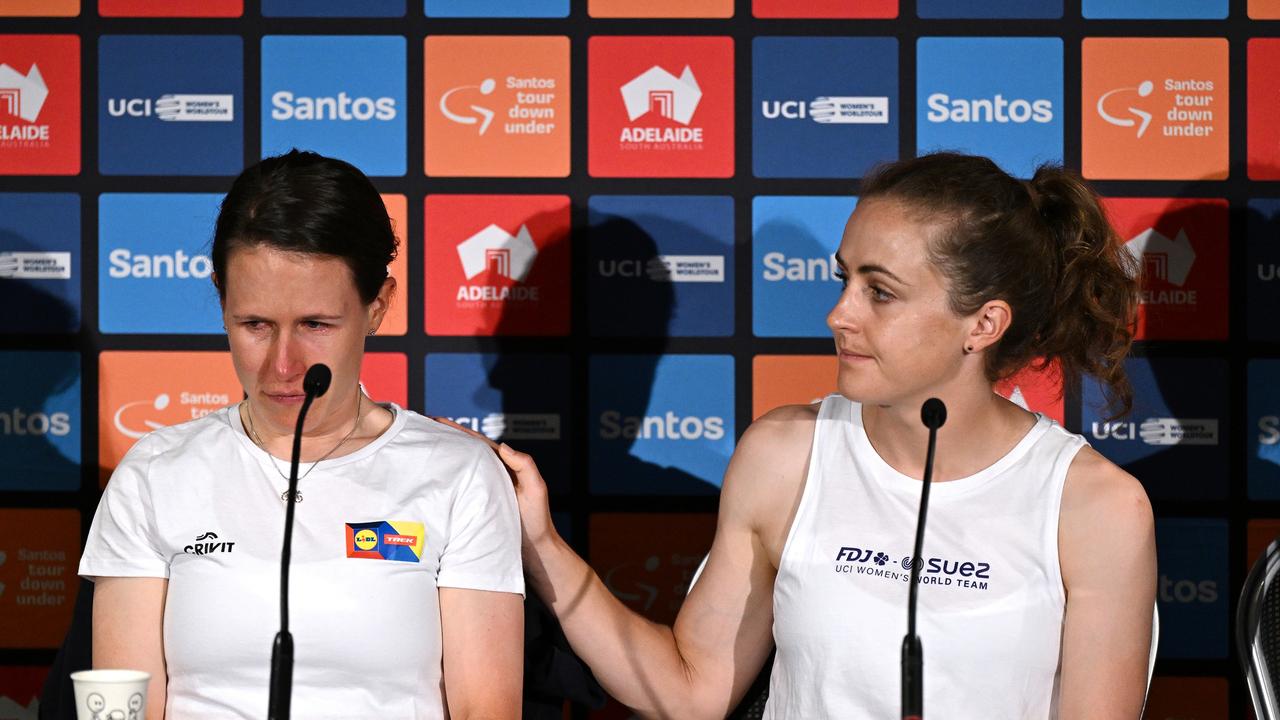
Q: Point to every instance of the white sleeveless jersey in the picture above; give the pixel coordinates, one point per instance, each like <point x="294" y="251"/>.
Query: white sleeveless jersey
<point x="991" y="598"/>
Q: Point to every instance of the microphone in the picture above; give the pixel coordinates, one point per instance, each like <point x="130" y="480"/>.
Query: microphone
<point x="933" y="414"/>
<point x="314" y="384"/>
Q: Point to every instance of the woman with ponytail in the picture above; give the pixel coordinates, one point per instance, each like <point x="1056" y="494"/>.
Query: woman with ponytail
<point x="1038" y="571"/>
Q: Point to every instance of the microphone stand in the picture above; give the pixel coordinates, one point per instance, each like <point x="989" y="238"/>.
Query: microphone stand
<point x="933" y="414"/>
<point x="314" y="385"/>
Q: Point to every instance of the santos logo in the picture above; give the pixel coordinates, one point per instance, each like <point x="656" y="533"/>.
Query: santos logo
<point x="124" y="264"/>
<point x="668" y="268"/>
<point x="779" y="267"/>
<point x="177" y="108"/>
<point x="614" y="425"/>
<point x="285" y="106"/>
<point x="35" y="265"/>
<point x="944" y="108"/>
<point x="18" y="422"/>
<point x="1187" y="592"/>
<point x="1269" y="430"/>
<point x="514" y="426"/>
<point x="22" y="96"/>
<point x="1161" y="431"/>
<point x="830" y="110"/>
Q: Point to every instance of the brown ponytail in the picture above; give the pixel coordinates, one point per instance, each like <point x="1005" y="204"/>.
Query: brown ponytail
<point x="1043" y="246"/>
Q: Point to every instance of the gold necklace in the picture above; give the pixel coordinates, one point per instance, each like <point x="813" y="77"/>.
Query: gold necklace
<point x="297" y="495"/>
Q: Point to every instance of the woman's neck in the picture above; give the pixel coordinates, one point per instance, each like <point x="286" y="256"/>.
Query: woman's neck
<point x="981" y="427"/>
<point x="334" y="436"/>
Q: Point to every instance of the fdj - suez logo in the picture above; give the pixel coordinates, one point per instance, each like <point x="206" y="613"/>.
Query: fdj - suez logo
<point x="531" y="113"/>
<point x="666" y="268"/>
<point x="176" y="108"/>
<point x="933" y="571"/>
<point x="22" y="97"/>
<point x="1160" y="431"/>
<point x="996" y="109"/>
<point x="669" y="426"/>
<point x="779" y="267"/>
<point x="1189" y="111"/>
<point x="20" y="422"/>
<point x="124" y="263"/>
<point x="1169" y="259"/>
<point x="208" y="544"/>
<point x="499" y="252"/>
<point x="287" y="106"/>
<point x="830" y="110"/>
<point x="658" y="93"/>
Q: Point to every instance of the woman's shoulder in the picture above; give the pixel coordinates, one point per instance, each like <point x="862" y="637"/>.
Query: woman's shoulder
<point x="420" y="434"/>
<point x="769" y="465"/>
<point x="175" y="440"/>
<point x="1099" y="497"/>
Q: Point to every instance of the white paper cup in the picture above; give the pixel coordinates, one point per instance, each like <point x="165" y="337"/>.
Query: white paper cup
<point x="110" y="694"/>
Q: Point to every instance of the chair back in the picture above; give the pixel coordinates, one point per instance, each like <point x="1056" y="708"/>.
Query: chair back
<point x="1258" y="632"/>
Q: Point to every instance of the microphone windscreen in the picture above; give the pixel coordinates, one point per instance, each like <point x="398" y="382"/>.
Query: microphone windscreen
<point x="317" y="380"/>
<point x="933" y="413"/>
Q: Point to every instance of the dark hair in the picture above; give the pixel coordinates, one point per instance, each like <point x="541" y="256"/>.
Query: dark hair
<point x="1044" y="246"/>
<point x="307" y="203"/>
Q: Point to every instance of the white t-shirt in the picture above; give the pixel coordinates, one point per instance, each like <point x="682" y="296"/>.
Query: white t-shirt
<point x="423" y="506"/>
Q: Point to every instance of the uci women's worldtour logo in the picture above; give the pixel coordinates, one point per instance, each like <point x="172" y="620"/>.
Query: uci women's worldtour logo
<point x="492" y="394"/>
<point x="1175" y="440"/>
<point x="497" y="106"/>
<point x="497" y="264"/>
<point x="170" y="105"/>
<point x="314" y="96"/>
<point x="1180" y="248"/>
<point x="1155" y="108"/>
<point x="814" y="117"/>
<point x="140" y="392"/>
<point x="942" y="572"/>
<point x="40" y="105"/>
<point x="661" y="107"/>
<point x="660" y="265"/>
<point x="40" y="262"/>
<point x="999" y="97"/>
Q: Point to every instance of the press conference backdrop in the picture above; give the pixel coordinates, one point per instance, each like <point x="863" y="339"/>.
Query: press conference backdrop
<point x="617" y="220"/>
